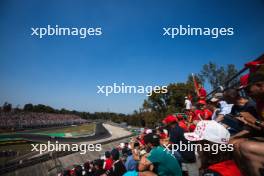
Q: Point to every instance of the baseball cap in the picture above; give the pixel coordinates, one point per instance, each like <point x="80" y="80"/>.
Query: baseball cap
<point x="179" y="116"/>
<point x="122" y="145"/>
<point x="216" y="97"/>
<point x="99" y="162"/>
<point x="209" y="130"/>
<point x="107" y="154"/>
<point x="151" y="138"/>
<point x="115" y="154"/>
<point x="163" y="136"/>
<point x="202" y="102"/>
<point x="169" y="119"/>
<point x="147" y="131"/>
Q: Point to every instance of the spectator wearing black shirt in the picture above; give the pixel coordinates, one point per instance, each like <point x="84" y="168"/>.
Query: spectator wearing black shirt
<point x="176" y="135"/>
<point x="241" y="104"/>
<point x="98" y="164"/>
<point x="118" y="168"/>
<point x="88" y="169"/>
<point x="78" y="170"/>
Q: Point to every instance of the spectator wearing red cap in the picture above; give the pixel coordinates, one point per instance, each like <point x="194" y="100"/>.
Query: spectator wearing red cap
<point x="175" y="131"/>
<point x="182" y="123"/>
<point x="176" y="135"/>
<point x="170" y="119"/>
<point x="191" y="114"/>
<point x="205" y="113"/>
<point x="164" y="137"/>
<point x="199" y="111"/>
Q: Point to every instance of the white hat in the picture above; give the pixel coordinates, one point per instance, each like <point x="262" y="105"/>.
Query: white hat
<point x="209" y="130"/>
<point x="148" y="131"/>
<point x="122" y="145"/>
<point x="216" y="97"/>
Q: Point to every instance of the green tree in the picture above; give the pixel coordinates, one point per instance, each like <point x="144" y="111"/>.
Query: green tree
<point x="170" y="102"/>
<point x="198" y="77"/>
<point x="7" y="107"/>
<point x="43" y="108"/>
<point x="217" y="75"/>
<point x="28" y="107"/>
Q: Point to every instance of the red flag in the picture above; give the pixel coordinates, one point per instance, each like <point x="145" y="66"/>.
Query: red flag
<point x="196" y="86"/>
<point x="254" y="65"/>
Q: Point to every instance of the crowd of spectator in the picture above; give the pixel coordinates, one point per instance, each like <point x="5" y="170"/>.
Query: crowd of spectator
<point x="233" y="117"/>
<point x="24" y="120"/>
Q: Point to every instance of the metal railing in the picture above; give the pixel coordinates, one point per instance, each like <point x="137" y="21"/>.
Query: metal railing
<point x="226" y="84"/>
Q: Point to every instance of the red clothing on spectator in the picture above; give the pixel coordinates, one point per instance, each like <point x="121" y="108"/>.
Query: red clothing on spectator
<point x="202" y="93"/>
<point x="199" y="113"/>
<point x="192" y="127"/>
<point x="108" y="164"/>
<point x="169" y="119"/>
<point x="183" y="125"/>
<point x="207" y="114"/>
<point x="191" y="116"/>
<point x="226" y="168"/>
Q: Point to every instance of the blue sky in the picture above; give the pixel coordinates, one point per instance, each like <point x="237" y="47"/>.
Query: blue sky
<point x="64" y="71"/>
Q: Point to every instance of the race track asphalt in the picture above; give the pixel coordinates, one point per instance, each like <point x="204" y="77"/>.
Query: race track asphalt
<point x="100" y="133"/>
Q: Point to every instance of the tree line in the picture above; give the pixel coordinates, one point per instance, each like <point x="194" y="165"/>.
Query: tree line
<point x="156" y="106"/>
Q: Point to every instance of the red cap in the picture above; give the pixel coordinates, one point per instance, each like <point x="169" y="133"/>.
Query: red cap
<point x="192" y="127"/>
<point x="163" y="136"/>
<point x="203" y="102"/>
<point x="169" y="119"/>
<point x="141" y="141"/>
<point x="179" y="116"/>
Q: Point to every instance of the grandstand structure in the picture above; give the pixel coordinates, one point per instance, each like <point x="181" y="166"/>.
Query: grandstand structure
<point x="25" y="120"/>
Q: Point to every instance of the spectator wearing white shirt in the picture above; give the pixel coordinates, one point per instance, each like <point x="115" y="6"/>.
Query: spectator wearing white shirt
<point x="224" y="107"/>
<point x="188" y="104"/>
